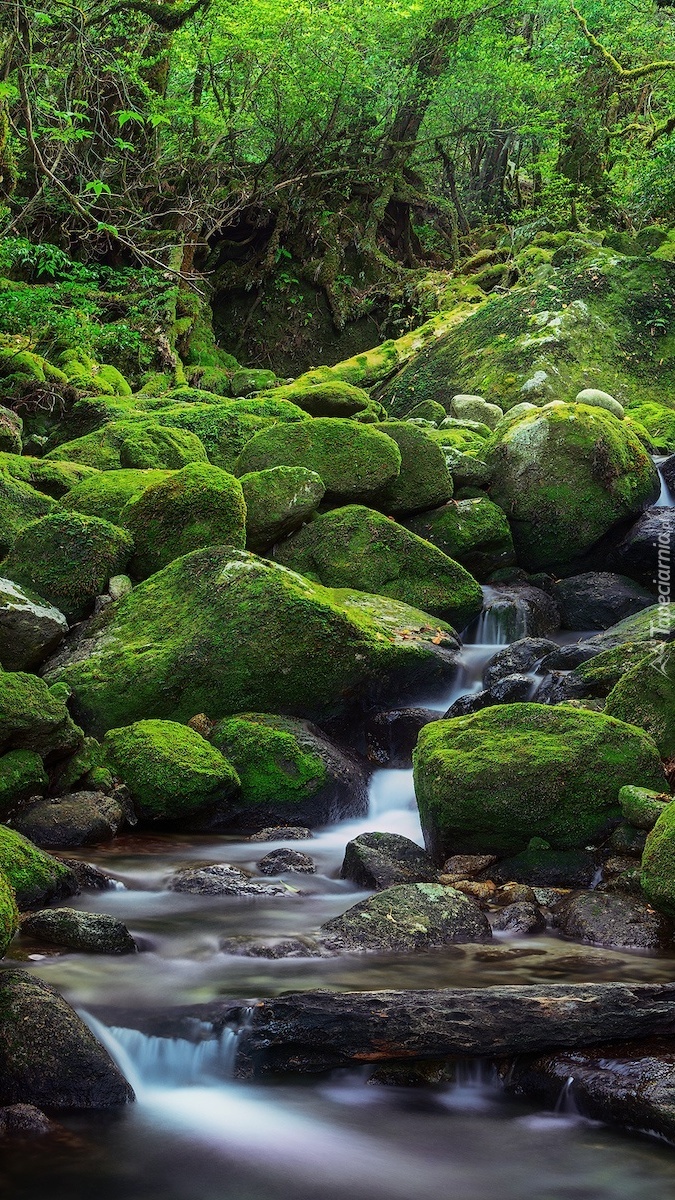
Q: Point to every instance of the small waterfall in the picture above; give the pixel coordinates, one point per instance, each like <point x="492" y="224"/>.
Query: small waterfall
<point x="566" y="1105"/>
<point x="503" y="620"/>
<point x="475" y="1087"/>
<point x="666" y="498"/>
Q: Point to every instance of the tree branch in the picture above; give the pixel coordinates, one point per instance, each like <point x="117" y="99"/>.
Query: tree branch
<point x="636" y="72"/>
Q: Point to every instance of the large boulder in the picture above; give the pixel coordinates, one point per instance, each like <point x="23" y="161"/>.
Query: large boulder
<point x="516" y="611"/>
<point x="196" y="507"/>
<point x="598" y="600"/>
<point x="278" y="501"/>
<point x="104" y="493"/>
<point x="48" y="1057"/>
<point x="55" y="479"/>
<point x="645" y="696"/>
<point x="490" y="782"/>
<point x="657" y="874"/>
<point x="89" y="933"/>
<point x="565" y="475"/>
<point x="20" y="505"/>
<point x="290" y="773"/>
<point x="9" y="914"/>
<point x="292" y="646"/>
<point x="68" y="558"/>
<point x="36" y="877"/>
<point x="22" y="775"/>
<point x="646" y="550"/>
<point x="30" y="628"/>
<point x="78" y="819"/>
<point x="139" y="445"/>
<point x="474" y="532"/>
<point x="411" y="916"/>
<point x="171" y="772"/>
<point x="612" y="919"/>
<point x="382" y="860"/>
<point x="355" y="462"/>
<point x="34" y="717"/>
<point x="356" y="547"/>
<point x="424" y="480"/>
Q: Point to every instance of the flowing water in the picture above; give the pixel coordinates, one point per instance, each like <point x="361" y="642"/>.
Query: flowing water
<point x="195" y="1133"/>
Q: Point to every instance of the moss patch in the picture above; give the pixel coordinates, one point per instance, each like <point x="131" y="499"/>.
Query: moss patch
<point x="105" y="493"/>
<point x="9" y="914"/>
<point x="474" y="532"/>
<point x="278" y="501"/>
<point x="424" y="480"/>
<point x="36" y="877"/>
<point x="140" y="445"/>
<point x="34" y="716"/>
<point x="20" y="505"/>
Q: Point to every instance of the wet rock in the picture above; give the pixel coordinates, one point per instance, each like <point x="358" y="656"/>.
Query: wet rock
<point x="558" y="687"/>
<point x="391" y="736"/>
<point x="519" y="657"/>
<point x="48" y="1057"/>
<point x="516" y="893"/>
<point x="605" y="919"/>
<point x="642" y="807"/>
<point x="464" y="706"/>
<point x="566" y="658"/>
<point x="519" y="611"/>
<point x="24" y="1120"/>
<point x="599" y="599"/>
<point x="482" y="890"/>
<point x="628" y="840"/>
<point x="286" y="860"/>
<point x="30" y="628"/>
<point x="89" y="877"/>
<point x="89" y="933"/>
<point x="464" y="866"/>
<point x="273" y="948"/>
<point x="218" y="879"/>
<point x="408" y="917"/>
<point x="382" y="860"/>
<point x="519" y="918"/>
<point x="79" y="819"/>
<point x="413" y="1074"/>
<point x="637" y="554"/>
<point x="282" y="833"/>
<point x="564" y="868"/>
<point x="511" y="689"/>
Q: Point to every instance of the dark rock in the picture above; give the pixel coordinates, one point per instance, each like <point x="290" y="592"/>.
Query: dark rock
<point x="512" y="689"/>
<point x="413" y="916"/>
<point x="519" y="919"/>
<point x="90" y="933"/>
<point x="606" y="919"/>
<point x="391" y="736"/>
<point x="637" y="554"/>
<point x="30" y="628"/>
<point x="24" y="1120"/>
<point x="286" y="860"/>
<point x="270" y="947"/>
<point x="465" y="705"/>
<point x="598" y="600"/>
<point x="282" y="833"/>
<point x="218" y="879"/>
<point x="667" y="469"/>
<point x="89" y="877"/>
<point x="78" y="819"/>
<point x="520" y="656"/>
<point x="517" y="611"/>
<point x="559" y="686"/>
<point x="625" y="839"/>
<point x="382" y="860"/>
<point x="566" y="658"/>
<point x="464" y="866"/>
<point x="48" y="1056"/>
<point x="548" y="868"/>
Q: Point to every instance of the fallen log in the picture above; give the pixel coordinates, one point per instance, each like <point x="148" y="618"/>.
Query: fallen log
<point x="314" y="1031"/>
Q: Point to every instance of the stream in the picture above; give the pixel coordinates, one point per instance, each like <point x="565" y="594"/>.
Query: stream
<point x="196" y="1134"/>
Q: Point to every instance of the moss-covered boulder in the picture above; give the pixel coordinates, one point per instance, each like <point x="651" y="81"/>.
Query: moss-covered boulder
<point x="474" y="532"/>
<point x="659" y="421"/>
<point x="52" y="478"/>
<point x="651" y="625"/>
<point x="36" y="877"/>
<point x="290" y="773"/>
<point x="105" y="493"/>
<point x="139" y="445"/>
<point x="224" y="428"/>
<point x="68" y="559"/>
<point x="657" y="873"/>
<point x="278" y="502"/>
<point x="357" y="547"/>
<point x="641" y="807"/>
<point x="476" y="408"/>
<point x="20" y="505"/>
<point x="171" y="772"/>
<point x="78" y="819"/>
<point x="21" y="775"/>
<point x="29" y="627"/>
<point x="410" y="916"/>
<point x="645" y="696"/>
<point x="424" y="480"/>
<point x="354" y="461"/>
<point x="220" y="631"/>
<point x="34" y="716"/>
<point x="488" y="783"/>
<point x="332" y="399"/>
<point x="193" y="508"/>
<point x="565" y="476"/>
<point x="9" y="913"/>
<point x="11" y="428"/>
<point x="427" y="410"/>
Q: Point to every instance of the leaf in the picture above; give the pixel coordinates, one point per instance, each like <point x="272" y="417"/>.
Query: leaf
<point x="98" y="187"/>
<point x="126" y="115"/>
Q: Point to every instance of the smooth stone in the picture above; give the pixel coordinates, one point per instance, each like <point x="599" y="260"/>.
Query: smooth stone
<point x="408" y="917"/>
<point x="382" y="860"/>
<point x="566" y="658"/>
<point x="30" y="627"/>
<point x="89" y="877"/>
<point x="512" y="689"/>
<point x="520" y="656"/>
<point x="519" y="918"/>
<point x="519" y="610"/>
<point x="610" y="919"/>
<point x="218" y="879"/>
<point x="282" y="833"/>
<point x="595" y="397"/>
<point x="637" y="554"/>
<point x="78" y="819"/>
<point x="599" y="599"/>
<point x="90" y="933"/>
<point x="286" y="860"/>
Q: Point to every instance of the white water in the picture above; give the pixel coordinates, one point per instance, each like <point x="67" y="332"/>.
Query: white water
<point x="666" y="498"/>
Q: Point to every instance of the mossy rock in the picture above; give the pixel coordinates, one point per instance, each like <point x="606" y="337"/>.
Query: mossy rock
<point x="20" y="505"/>
<point x="489" y="782"/>
<point x="290" y="773"/>
<point x="36" y="877"/>
<point x="659" y="421"/>
<point x="34" y="717"/>
<point x="278" y="501"/>
<point x="600" y="674"/>
<point x="333" y="399"/>
<point x="457" y="439"/>
<point x="224" y="428"/>
<point x="11" y="428"/>
<point x="657" y="872"/>
<point x="68" y="559"/>
<point x="474" y="532"/>
<point x="55" y="479"/>
<point x="197" y="507"/>
<point x="22" y="775"/>
<point x="220" y="631"/>
<point x="171" y="772"/>
<point x="642" y="807"/>
<point x="356" y="547"/>
<point x="245" y="381"/>
<point x="410" y="916"/>
<point x="427" y="410"/>
<point x="355" y="462"/>
<point x="29" y="628"/>
<point x="140" y="445"/>
<point x="565" y="475"/>
<point x="645" y="696"/>
<point x="424" y="480"/>
<point x="655" y="624"/>
<point x="105" y="493"/>
<point x="9" y="913"/>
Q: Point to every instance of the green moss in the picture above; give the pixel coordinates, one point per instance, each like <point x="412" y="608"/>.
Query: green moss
<point x="490" y="782"/>
<point x="332" y="399"/>
<point x="659" y="422"/>
<point x="245" y="381"/>
<point x="20" y="505"/>
<point x="224" y="429"/>
<point x="278" y="769"/>
<point x="36" y="877"/>
<point x="600" y="674"/>
<point x="68" y="558"/>
<point x="642" y="807"/>
<point x="474" y="532"/>
<point x="196" y="507"/>
<point x="52" y="478"/>
<point x="140" y="445"/>
<point x="105" y="493"/>
<point x="9" y="913"/>
<point x="457" y="438"/>
<point x="354" y="461"/>
<point x="34" y="717"/>
<point x="278" y="501"/>
<point x="424" y="480"/>
<point x="11" y="428"/>
<point x="116" y="380"/>
<point x="565" y="475"/>
<point x="657" y="873"/>
<point x="21" y="775"/>
<point x="355" y="547"/>
<point x="427" y="410"/>
<point x="645" y="696"/>
<point x="170" y="771"/>
<point x="220" y="631"/>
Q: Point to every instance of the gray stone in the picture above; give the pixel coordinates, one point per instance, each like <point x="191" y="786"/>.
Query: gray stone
<point x="599" y="599"/>
<point x="30" y="628"/>
<point x="282" y="833"/>
<point x="77" y="819"/>
<point x="414" y="916"/>
<point x="598" y="399"/>
<point x="219" y="879"/>
<point x="382" y="860"/>
<point x="612" y="919"/>
<point x="285" y="859"/>
<point x="522" y="655"/>
<point x="90" y="933"/>
<point x="521" y="918"/>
